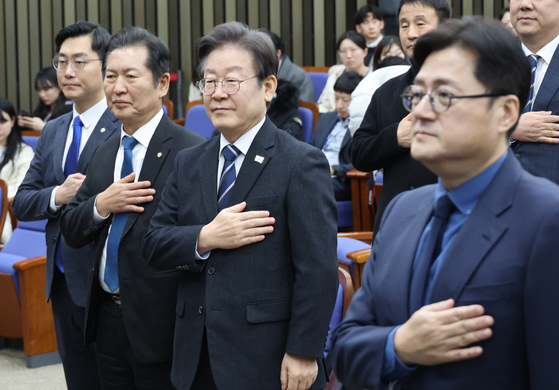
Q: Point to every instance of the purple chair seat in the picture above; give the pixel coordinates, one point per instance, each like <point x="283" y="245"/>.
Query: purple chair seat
<point x="346" y="245"/>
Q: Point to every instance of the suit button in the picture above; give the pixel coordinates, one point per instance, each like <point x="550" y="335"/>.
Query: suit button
<point x="54" y="240"/>
<point x="517" y="156"/>
<point x="211" y="270"/>
<point x="200" y="310"/>
<point x="412" y="187"/>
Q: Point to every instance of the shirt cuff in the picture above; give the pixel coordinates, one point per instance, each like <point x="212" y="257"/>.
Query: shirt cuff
<point x="97" y="219"/>
<point x="392" y="367"/>
<point x="203" y="256"/>
<point x="53" y="208"/>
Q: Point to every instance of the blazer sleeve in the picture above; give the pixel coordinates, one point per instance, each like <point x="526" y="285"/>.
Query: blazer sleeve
<point x="311" y="219"/>
<point x="374" y="147"/>
<point x="31" y="202"/>
<point x="167" y="245"/>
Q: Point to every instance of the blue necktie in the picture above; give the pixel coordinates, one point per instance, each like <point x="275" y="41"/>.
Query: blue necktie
<point x="533" y="58"/>
<point x="228" y="175"/>
<point x="431" y="249"/>
<point x="74" y="150"/>
<point x="119" y="220"/>
<point x="69" y="168"/>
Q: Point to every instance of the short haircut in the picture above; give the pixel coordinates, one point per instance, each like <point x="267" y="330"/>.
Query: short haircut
<point x="159" y="57"/>
<point x="256" y="42"/>
<point x="364" y="11"/>
<point x="441" y="7"/>
<point x="99" y="36"/>
<point x="501" y="65"/>
<point x="276" y="40"/>
<point x="503" y="12"/>
<point x="354" y="36"/>
<point x="347" y="82"/>
<point x="387" y="41"/>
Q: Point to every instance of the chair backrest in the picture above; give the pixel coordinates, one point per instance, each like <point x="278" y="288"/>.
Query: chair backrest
<point x="343" y="299"/>
<point x="30" y="140"/>
<point x="197" y="120"/>
<point x="318" y="82"/>
<point x="308" y="121"/>
<point x="28" y="240"/>
<point x="315" y="112"/>
<point x="169" y="108"/>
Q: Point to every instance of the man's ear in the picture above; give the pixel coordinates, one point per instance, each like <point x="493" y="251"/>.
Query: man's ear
<point x="508" y="112"/>
<point x="270" y="85"/>
<point x="358" y="28"/>
<point x="382" y="24"/>
<point x="163" y="86"/>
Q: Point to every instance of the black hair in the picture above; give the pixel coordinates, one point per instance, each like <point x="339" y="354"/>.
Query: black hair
<point x="441" y="7"/>
<point x="353" y="36"/>
<point x="276" y="40"/>
<point x="13" y="143"/>
<point x="364" y="11"/>
<point x="391" y="61"/>
<point x="99" y="36"/>
<point x="159" y="57"/>
<point x="347" y="82"/>
<point x="387" y="41"/>
<point x="501" y="65"/>
<point x="264" y="58"/>
<point x="503" y="12"/>
<point x="46" y="78"/>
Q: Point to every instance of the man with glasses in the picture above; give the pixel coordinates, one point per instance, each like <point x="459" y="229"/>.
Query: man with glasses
<point x="56" y="172"/>
<point x="131" y="306"/>
<point x="461" y="292"/>
<point x="250" y="219"/>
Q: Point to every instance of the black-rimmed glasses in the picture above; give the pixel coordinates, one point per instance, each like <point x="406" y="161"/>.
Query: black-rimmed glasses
<point x="230" y="85"/>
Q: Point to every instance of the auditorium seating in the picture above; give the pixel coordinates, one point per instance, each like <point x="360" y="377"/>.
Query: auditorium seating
<point x="308" y="120"/>
<point x="348" y="244"/>
<point x="197" y="120"/>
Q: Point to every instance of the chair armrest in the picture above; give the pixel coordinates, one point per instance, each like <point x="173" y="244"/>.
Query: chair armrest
<point x="32" y="262"/>
<point x="361" y="256"/>
<point x="354" y="173"/>
<point x="366" y="237"/>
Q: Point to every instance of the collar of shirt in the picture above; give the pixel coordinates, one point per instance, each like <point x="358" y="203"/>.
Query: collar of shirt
<point x="467" y="194"/>
<point x="244" y="142"/>
<point x="546" y="52"/>
<point x="143" y="134"/>
<point x="92" y="115"/>
<point x="375" y="43"/>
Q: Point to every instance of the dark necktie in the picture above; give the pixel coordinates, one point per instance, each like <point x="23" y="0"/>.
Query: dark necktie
<point x="111" y="266"/>
<point x="431" y="249"/>
<point x="69" y="168"/>
<point x="228" y="175"/>
<point x="533" y="58"/>
<point x="74" y="150"/>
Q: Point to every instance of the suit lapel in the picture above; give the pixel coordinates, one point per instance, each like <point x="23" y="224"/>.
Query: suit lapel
<point x="550" y="84"/>
<point x="58" y="147"/>
<point x="207" y="173"/>
<point x="105" y="128"/>
<point x="329" y="123"/>
<point x="252" y="166"/>
<point x="479" y="234"/>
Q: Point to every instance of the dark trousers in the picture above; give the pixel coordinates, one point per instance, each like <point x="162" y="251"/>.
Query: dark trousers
<point x="118" y="367"/>
<point x="204" y="380"/>
<point x="78" y="360"/>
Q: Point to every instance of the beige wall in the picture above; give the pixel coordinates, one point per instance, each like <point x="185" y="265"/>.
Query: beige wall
<point x="308" y="27"/>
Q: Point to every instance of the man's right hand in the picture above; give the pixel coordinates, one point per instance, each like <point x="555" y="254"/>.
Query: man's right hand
<point x="123" y="196"/>
<point x="68" y="189"/>
<point x="404" y="132"/>
<point x="232" y="228"/>
<point x="438" y="334"/>
<point x="537" y="126"/>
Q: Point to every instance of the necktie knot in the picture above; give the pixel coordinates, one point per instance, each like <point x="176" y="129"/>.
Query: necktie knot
<point x="533" y="58"/>
<point x="444" y="208"/>
<point x="78" y="122"/>
<point x="129" y="142"/>
<point x="230" y="152"/>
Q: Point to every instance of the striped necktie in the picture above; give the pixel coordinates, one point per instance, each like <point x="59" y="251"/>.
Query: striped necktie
<point x="228" y="175"/>
<point x="533" y="58"/>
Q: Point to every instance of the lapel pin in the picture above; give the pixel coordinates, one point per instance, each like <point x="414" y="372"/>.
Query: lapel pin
<point x="259" y="159"/>
<point x="159" y="155"/>
<point x="103" y="130"/>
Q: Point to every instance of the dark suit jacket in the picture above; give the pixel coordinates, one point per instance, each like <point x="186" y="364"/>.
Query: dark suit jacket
<point x="298" y="77"/>
<point x="542" y="159"/>
<point x="375" y="144"/>
<point x="324" y="126"/>
<point x="32" y="199"/>
<point x="504" y="257"/>
<point x="148" y="296"/>
<point x="259" y="301"/>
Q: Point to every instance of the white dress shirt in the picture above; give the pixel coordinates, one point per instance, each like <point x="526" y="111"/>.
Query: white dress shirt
<point x="546" y="54"/>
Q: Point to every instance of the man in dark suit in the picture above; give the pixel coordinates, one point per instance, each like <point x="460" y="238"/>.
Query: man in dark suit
<point x="257" y="250"/>
<point x="383" y="140"/>
<point x="130" y="307"/>
<point x="332" y="135"/>
<point x="535" y="139"/>
<point x="453" y="297"/>
<point x="56" y="172"/>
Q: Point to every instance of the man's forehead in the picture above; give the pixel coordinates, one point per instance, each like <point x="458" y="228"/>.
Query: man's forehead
<point x="370" y="16"/>
<point x="415" y="11"/>
<point x="76" y="46"/>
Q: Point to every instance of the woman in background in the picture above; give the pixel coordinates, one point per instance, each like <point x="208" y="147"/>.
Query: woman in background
<point x="15" y="157"/>
<point x="389" y="46"/>
<point x="52" y="103"/>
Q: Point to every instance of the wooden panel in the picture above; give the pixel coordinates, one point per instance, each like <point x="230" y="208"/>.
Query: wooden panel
<point x="341" y="25"/>
<point x="35" y="50"/>
<point x="151" y="16"/>
<point x="163" y="20"/>
<point x="230" y="11"/>
<point x="263" y="14"/>
<point x="488" y="7"/>
<point x="81" y="10"/>
<point x="252" y="13"/>
<point x="286" y="29"/>
<point x="24" y="73"/>
<point x="105" y="15"/>
<point x="318" y="29"/>
<point x="92" y="10"/>
<point x="69" y="12"/>
<point x="330" y="36"/>
<point x="467" y="7"/>
<point x="3" y="81"/>
<point x="275" y="16"/>
<point x="308" y="28"/>
<point x="242" y="12"/>
<point x="297" y="31"/>
<point x="140" y="13"/>
<point x="116" y="16"/>
<point x="219" y="12"/>
<point x="207" y="16"/>
<point x="11" y="54"/>
<point x="128" y="13"/>
<point x="187" y="48"/>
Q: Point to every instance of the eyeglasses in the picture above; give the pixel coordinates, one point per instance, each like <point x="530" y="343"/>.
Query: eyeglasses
<point x="230" y="85"/>
<point x="439" y="97"/>
<point x="61" y="63"/>
<point x="351" y="50"/>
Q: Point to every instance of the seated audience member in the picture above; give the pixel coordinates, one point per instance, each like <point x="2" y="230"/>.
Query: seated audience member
<point x="52" y="103"/>
<point x="284" y="109"/>
<point x="291" y="72"/>
<point x="193" y="90"/>
<point x="16" y="156"/>
<point x="332" y="135"/>
<point x="504" y="17"/>
<point x="369" y="23"/>
<point x="352" y="49"/>
<point x="389" y="46"/>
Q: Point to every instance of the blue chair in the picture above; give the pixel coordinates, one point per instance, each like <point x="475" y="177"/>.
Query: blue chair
<point x="197" y="120"/>
<point x="345" y="293"/>
<point x="318" y="82"/>
<point x="30" y="140"/>
<point x="308" y="123"/>
<point x="379" y="178"/>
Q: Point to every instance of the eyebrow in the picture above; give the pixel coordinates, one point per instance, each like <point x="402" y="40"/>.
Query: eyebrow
<point x="438" y="82"/>
<point x="416" y="17"/>
<point x="79" y="54"/>
<point x="233" y="68"/>
<point x="129" y="69"/>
